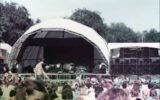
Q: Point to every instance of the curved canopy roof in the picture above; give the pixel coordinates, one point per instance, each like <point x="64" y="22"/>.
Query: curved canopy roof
<point x="68" y="26"/>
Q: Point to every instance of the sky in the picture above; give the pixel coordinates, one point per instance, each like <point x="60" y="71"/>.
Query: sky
<point x="139" y="15"/>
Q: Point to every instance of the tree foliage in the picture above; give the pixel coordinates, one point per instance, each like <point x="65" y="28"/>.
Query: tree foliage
<point x="14" y="20"/>
<point x="151" y="36"/>
<point x="119" y="32"/>
<point x="91" y="19"/>
<point x="116" y="32"/>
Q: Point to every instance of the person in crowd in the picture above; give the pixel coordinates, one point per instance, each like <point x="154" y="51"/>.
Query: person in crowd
<point x="157" y="89"/>
<point x="40" y="74"/>
<point x="144" y="90"/>
<point x="95" y="86"/>
<point x="58" y="91"/>
<point x="7" y="75"/>
<point x="31" y="90"/>
<point x="67" y="93"/>
<point x="75" y="89"/>
<point x="107" y="84"/>
<point x="7" y="84"/>
<point x="85" y="94"/>
<point x="153" y="95"/>
<point x="79" y="78"/>
<point x="138" y="99"/>
<point x="136" y="91"/>
<point x="51" y="88"/>
<point x="17" y="79"/>
<point x="98" y="90"/>
<point x="124" y="87"/>
<point x="135" y="94"/>
<point x="113" y="94"/>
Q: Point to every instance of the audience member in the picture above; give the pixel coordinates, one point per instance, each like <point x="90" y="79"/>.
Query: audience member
<point x="113" y="94"/>
<point x="31" y="90"/>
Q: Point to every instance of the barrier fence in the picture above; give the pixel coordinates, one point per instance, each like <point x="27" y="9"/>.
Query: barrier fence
<point x="64" y="76"/>
<point x="72" y="76"/>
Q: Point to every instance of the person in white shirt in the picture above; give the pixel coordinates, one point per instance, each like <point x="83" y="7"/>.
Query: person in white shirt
<point x="85" y="94"/>
<point x="40" y="74"/>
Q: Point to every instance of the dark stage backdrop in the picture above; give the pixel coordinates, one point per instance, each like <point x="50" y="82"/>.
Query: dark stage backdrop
<point x="67" y="51"/>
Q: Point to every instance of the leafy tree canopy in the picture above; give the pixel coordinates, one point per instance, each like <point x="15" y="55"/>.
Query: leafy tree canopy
<point x="119" y="32"/>
<point x="116" y="32"/>
<point x="14" y="20"/>
<point x="151" y="36"/>
<point x="91" y="19"/>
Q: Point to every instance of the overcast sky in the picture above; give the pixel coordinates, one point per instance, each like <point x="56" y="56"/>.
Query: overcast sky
<point x="139" y="15"/>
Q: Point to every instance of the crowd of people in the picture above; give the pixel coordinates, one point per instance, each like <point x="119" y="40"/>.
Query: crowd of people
<point x="41" y="87"/>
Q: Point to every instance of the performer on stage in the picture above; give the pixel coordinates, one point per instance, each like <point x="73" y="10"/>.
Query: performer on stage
<point x="40" y="74"/>
<point x="102" y="67"/>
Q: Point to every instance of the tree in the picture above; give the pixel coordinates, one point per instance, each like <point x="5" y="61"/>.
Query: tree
<point x="116" y="32"/>
<point x="151" y="36"/>
<point x="14" y="20"/>
<point x="91" y="19"/>
<point x="37" y="21"/>
<point x="119" y="32"/>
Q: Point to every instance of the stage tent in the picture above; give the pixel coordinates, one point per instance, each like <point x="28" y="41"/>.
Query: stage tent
<point x="60" y="40"/>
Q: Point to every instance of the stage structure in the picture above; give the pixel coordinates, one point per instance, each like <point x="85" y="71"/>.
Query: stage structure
<point x="134" y="58"/>
<point x="60" y="41"/>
